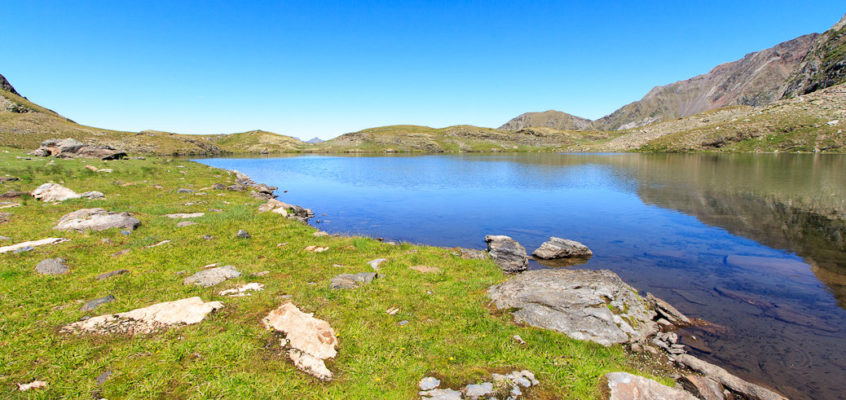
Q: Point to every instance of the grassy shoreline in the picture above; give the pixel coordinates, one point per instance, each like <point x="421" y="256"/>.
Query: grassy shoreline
<point x="450" y="332"/>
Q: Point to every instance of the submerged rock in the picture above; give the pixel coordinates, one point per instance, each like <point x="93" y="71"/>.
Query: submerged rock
<point x="625" y="386"/>
<point x="509" y="255"/>
<point x="557" y="248"/>
<point x="309" y="340"/>
<point x="583" y="304"/>
<point x="96" y="219"/>
<point x="148" y="319"/>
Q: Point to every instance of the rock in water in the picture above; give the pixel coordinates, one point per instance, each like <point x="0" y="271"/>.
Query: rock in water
<point x="309" y="340"/>
<point x="148" y="319"/>
<point x="746" y="389"/>
<point x="96" y="219"/>
<point x="557" y="248"/>
<point x="583" y="304"/>
<point x="52" y="266"/>
<point x="212" y="276"/>
<point x="509" y="255"/>
<point x="624" y="386"/>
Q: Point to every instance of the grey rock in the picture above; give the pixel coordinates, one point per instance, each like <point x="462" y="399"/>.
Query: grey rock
<point x="625" y="386"/>
<point x="403" y="323"/>
<point x="209" y="237"/>
<point x="92" y="195"/>
<point x="96" y="219"/>
<point x="441" y="394"/>
<point x="478" y="390"/>
<point x="351" y="281"/>
<point x="218" y="186"/>
<point x="702" y="387"/>
<point x="429" y="383"/>
<point x="664" y="309"/>
<point x="243" y="234"/>
<point x="184" y="190"/>
<point x="731" y="382"/>
<point x="111" y="274"/>
<point x="212" y="276"/>
<point x="124" y="232"/>
<point x="102" y="378"/>
<point x="583" y="304"/>
<point x="4" y="238"/>
<point x="23" y="249"/>
<point x="52" y="266"/>
<point x="472" y="254"/>
<point x="184" y="224"/>
<point x="557" y="248"/>
<point x="509" y="255"/>
<point x="237" y="187"/>
<point x="92" y="304"/>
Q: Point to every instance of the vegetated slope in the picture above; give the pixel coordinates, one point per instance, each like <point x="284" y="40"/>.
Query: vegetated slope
<point x="25" y="125"/>
<point x="548" y="119"/>
<point x="823" y="66"/>
<point x="459" y="138"/>
<point x="811" y="123"/>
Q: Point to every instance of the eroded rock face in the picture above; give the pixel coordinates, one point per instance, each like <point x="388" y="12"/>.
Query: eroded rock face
<point x="212" y="276"/>
<point x="96" y="219"/>
<point x="148" y="319"/>
<point x="557" y="248"/>
<point x="50" y="192"/>
<point x="624" y="386"/>
<point x="509" y="255"/>
<point x="583" y="304"/>
<point x="309" y="340"/>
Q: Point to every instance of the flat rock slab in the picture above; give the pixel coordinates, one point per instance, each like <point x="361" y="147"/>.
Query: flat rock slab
<point x="747" y="389"/>
<point x="376" y="263"/>
<point x="184" y="224"/>
<point x="425" y="269"/>
<point x="185" y="215"/>
<point x="52" y="266"/>
<point x="111" y="274"/>
<point x="309" y="340"/>
<point x="96" y="219"/>
<point x="508" y="255"/>
<point x="92" y="304"/>
<point x="212" y="276"/>
<point x="243" y="290"/>
<point x="53" y="192"/>
<point x="583" y="304"/>
<point x="557" y="248"/>
<point x="624" y="386"/>
<point x="31" y="244"/>
<point x="148" y="319"/>
<point x="351" y="281"/>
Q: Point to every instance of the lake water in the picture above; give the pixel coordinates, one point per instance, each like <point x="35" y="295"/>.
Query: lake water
<point x="755" y="244"/>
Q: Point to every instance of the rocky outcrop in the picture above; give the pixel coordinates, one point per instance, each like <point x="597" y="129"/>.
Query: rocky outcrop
<point x="72" y="148"/>
<point x="148" y="319"/>
<point x="583" y="304"/>
<point x="744" y="389"/>
<point x="6" y="86"/>
<point x="625" y="386"/>
<point x="51" y="192"/>
<point x="557" y="248"/>
<point x="308" y="340"/>
<point x="96" y="219"/>
<point x="823" y="66"/>
<point x="287" y="210"/>
<point x="508" y="255"/>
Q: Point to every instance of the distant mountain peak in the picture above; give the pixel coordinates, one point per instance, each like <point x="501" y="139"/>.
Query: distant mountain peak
<point x="547" y="119"/>
<point x="315" y="140"/>
<point x="5" y="85"/>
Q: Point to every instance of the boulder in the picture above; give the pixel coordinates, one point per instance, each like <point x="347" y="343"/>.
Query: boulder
<point x="734" y="384"/>
<point x="557" y="248"/>
<point x="96" y="219"/>
<point x="472" y="254"/>
<point x="212" y="276"/>
<point x="50" y="192"/>
<point x="351" y="281"/>
<point x="509" y="255"/>
<point x="52" y="266"/>
<point x="702" y="387"/>
<point x="429" y="383"/>
<point x="583" y="304"/>
<point x="309" y="340"/>
<point x="71" y="148"/>
<point x="31" y="244"/>
<point x="624" y="386"/>
<point x="148" y="319"/>
<point x="287" y="210"/>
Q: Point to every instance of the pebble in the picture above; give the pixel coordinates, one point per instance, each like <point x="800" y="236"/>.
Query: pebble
<point x="243" y="234"/>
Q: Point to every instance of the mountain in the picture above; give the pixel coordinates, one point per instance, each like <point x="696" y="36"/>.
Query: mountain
<point x="548" y="119"/>
<point x="823" y="66"/>
<point x="24" y="124"/>
<point x="315" y="140"/>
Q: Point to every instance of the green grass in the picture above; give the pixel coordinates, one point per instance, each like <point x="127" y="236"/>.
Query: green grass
<point x="451" y="332"/>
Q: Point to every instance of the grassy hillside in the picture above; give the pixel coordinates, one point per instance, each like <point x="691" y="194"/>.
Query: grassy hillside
<point x="450" y="333"/>
<point x="25" y="125"/>
<point x="459" y="138"/>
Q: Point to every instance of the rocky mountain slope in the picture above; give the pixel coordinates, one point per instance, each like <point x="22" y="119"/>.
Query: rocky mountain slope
<point x="25" y="125"/>
<point x="548" y="119"/>
<point x="823" y="66"/>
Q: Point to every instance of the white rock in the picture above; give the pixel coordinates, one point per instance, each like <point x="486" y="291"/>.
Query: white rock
<point x="311" y="340"/>
<point x="33" y="243"/>
<point x="54" y="192"/>
<point x="242" y="290"/>
<point x="148" y="319"/>
<point x="185" y="215"/>
<point x="23" y="387"/>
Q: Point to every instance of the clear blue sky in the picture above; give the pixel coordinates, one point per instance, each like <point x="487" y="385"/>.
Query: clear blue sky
<point x="315" y="68"/>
